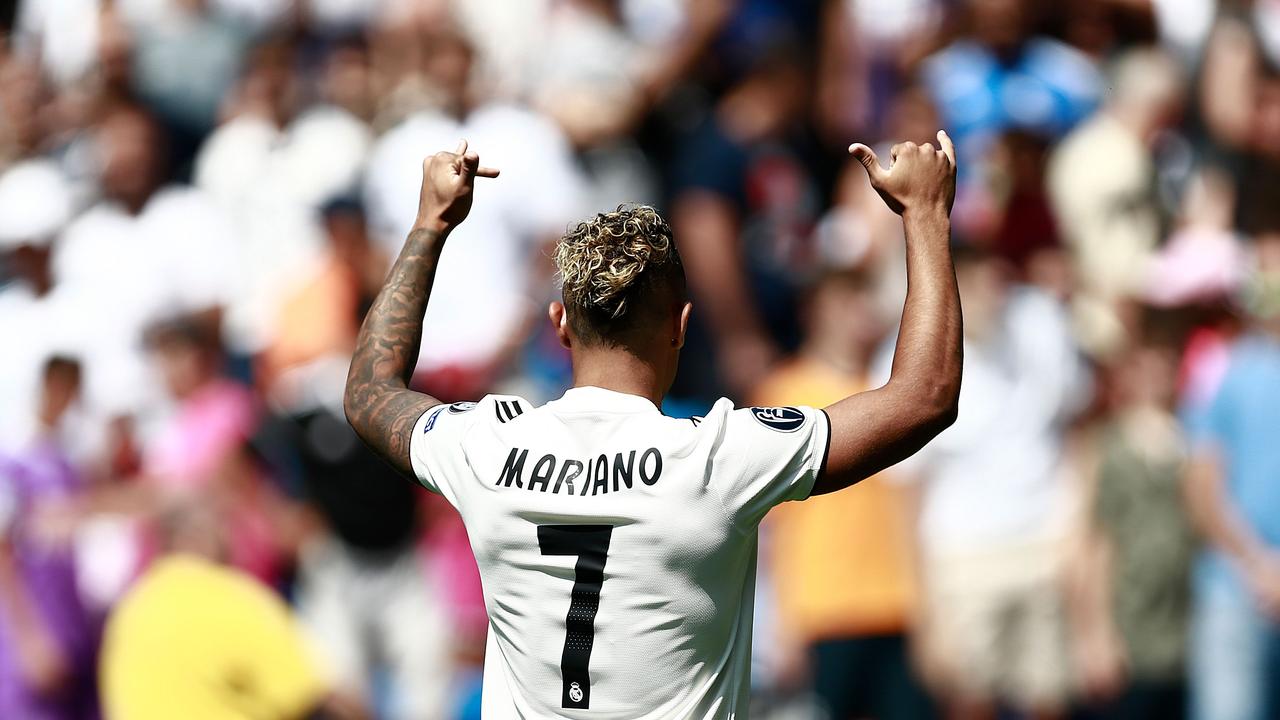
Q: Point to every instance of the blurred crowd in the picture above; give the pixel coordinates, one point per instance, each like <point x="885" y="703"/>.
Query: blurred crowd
<point x="200" y="198"/>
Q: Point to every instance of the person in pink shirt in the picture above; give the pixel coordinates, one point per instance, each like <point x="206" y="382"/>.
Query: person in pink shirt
<point x="198" y="450"/>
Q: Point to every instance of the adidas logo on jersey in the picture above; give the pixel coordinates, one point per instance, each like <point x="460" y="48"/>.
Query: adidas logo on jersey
<point x="507" y="410"/>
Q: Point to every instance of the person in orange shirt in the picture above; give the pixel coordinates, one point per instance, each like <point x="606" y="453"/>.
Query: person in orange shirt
<point x="841" y="564"/>
<point x="319" y="316"/>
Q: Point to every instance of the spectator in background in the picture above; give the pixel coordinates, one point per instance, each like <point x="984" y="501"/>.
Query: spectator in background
<point x="847" y="616"/>
<point x="1112" y="220"/>
<point x="744" y="204"/>
<point x="869" y="51"/>
<point x="991" y="519"/>
<point x="1024" y="230"/>
<point x="1001" y="76"/>
<point x="199" y="450"/>
<point x="197" y="639"/>
<point x="1132" y="575"/>
<point x="540" y="192"/>
<point x="587" y="77"/>
<point x="321" y="312"/>
<point x="598" y="76"/>
<point x="272" y="166"/>
<point x="362" y="590"/>
<point x="185" y="55"/>
<point x="63" y="36"/>
<point x="1239" y="94"/>
<point x="145" y="249"/>
<point x="24" y="94"/>
<point x="1233" y="491"/>
<point x="35" y="204"/>
<point x="48" y="642"/>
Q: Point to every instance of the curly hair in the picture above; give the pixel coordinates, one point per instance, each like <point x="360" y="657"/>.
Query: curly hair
<point x="614" y="261"/>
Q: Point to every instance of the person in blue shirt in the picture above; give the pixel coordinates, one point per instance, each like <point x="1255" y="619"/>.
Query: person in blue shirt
<point x="1003" y="76"/>
<point x="1234" y="493"/>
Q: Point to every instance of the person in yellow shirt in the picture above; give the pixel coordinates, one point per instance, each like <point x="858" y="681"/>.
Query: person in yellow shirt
<point x="841" y="564"/>
<point x="197" y="640"/>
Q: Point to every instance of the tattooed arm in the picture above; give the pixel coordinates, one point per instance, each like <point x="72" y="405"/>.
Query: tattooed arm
<point x="378" y="401"/>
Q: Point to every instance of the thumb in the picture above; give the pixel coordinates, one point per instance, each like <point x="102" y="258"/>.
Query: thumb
<point x="867" y="157"/>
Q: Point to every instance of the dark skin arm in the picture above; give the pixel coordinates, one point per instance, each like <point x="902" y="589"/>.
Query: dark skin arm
<point x="872" y="430"/>
<point x="378" y="402"/>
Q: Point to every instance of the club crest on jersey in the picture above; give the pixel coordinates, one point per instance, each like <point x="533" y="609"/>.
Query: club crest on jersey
<point x="575" y="692"/>
<point x="461" y="407"/>
<point x="782" y="419"/>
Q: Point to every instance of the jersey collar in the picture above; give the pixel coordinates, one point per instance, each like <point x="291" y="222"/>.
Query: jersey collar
<point x="598" y="398"/>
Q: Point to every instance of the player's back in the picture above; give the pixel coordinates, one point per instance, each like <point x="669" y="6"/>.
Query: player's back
<point x="617" y="546"/>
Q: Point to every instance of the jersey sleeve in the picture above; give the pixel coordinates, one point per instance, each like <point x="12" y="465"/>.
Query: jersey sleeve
<point x="768" y="455"/>
<point x="438" y="448"/>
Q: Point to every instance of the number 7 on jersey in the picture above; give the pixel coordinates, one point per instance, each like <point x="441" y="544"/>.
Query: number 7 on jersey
<point x="590" y="543"/>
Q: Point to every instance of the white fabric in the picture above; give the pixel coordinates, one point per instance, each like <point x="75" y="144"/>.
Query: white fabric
<point x="1185" y="24"/>
<point x="538" y="194"/>
<point x="118" y="273"/>
<point x="34" y="328"/>
<point x="584" y="50"/>
<point x="63" y="33"/>
<point x="35" y="202"/>
<point x="362" y="610"/>
<point x="271" y="182"/>
<point x="887" y="24"/>
<point x="672" y="636"/>
<point x="993" y="478"/>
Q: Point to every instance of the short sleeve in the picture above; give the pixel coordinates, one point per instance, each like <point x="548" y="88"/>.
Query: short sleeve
<point x="767" y="456"/>
<point x="437" y="449"/>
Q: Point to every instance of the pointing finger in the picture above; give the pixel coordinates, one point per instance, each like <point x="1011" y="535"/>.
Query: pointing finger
<point x="487" y="172"/>
<point x="948" y="147"/>
<point x="867" y="157"/>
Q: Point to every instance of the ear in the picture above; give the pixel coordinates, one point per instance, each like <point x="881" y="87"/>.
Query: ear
<point x="682" y="324"/>
<point x="560" y="321"/>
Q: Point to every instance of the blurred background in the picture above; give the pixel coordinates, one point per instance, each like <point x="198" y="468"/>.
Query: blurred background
<point x="200" y="198"/>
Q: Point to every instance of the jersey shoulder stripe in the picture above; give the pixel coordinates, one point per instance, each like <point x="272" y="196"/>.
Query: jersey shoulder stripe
<point x="507" y="410"/>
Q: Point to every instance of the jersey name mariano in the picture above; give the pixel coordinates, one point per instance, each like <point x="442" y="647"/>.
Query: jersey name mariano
<point x="616" y="545"/>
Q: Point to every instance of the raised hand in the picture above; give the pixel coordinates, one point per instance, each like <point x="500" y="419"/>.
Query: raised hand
<point x="919" y="177"/>
<point x="447" y="182"/>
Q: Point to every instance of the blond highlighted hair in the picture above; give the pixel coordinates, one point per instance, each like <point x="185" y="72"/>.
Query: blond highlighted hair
<point x="614" y="262"/>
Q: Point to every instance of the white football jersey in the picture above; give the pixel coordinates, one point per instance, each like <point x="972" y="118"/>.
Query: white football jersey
<point x="616" y="545"/>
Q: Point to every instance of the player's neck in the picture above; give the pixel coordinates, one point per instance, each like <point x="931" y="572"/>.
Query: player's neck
<point x="620" y="371"/>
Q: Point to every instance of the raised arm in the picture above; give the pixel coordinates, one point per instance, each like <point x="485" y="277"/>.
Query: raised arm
<point x="873" y="430"/>
<point x="378" y="401"/>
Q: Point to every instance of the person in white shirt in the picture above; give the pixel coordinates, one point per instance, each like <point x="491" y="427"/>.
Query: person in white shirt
<point x="992" y="503"/>
<point x="144" y="252"/>
<point x="617" y="546"/>
<point x="539" y="196"/>
<point x="271" y="167"/>
<point x="35" y="204"/>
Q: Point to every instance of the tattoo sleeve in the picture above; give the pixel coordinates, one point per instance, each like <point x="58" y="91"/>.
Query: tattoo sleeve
<point x="378" y="401"/>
